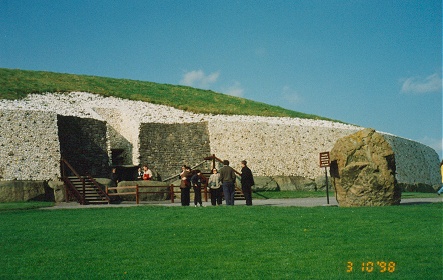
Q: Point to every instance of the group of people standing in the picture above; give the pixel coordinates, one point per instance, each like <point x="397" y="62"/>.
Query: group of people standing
<point x="144" y="173"/>
<point x="190" y="178"/>
<point x="219" y="183"/>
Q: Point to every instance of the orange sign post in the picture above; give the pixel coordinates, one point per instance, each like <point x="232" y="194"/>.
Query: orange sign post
<point x="325" y="162"/>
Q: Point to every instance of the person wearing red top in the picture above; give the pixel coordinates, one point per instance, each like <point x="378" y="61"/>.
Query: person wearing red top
<point x="147" y="173"/>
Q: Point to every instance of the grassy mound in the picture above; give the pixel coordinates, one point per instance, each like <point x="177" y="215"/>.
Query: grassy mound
<point x="16" y="84"/>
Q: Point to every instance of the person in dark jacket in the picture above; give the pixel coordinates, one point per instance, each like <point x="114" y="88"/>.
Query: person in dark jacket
<point x="185" y="185"/>
<point x="227" y="177"/>
<point x="247" y="181"/>
<point x="197" y="180"/>
<point x="115" y="178"/>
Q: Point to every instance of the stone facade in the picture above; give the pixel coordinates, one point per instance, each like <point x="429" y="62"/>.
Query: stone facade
<point x="166" y="147"/>
<point x="29" y="145"/>
<point x="87" y="129"/>
<point x="415" y="162"/>
<point x="123" y="135"/>
<point x="25" y="190"/>
<point x="274" y="149"/>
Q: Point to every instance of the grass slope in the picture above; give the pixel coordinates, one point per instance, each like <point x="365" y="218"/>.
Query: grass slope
<point x="154" y="242"/>
<point x="16" y="84"/>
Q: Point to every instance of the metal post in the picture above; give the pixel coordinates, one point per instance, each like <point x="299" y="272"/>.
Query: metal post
<point x="327" y="188"/>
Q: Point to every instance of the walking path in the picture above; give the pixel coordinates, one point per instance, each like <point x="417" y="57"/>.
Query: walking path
<point x="298" y="202"/>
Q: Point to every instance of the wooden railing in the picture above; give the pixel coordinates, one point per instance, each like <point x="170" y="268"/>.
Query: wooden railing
<point x="175" y="176"/>
<point x="70" y="187"/>
<point x="136" y="191"/>
<point x="102" y="193"/>
<point x="214" y="159"/>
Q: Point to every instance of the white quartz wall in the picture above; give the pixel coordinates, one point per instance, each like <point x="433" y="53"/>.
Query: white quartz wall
<point x="126" y="127"/>
<point x="29" y="146"/>
<point x="415" y="162"/>
<point x="272" y="146"/>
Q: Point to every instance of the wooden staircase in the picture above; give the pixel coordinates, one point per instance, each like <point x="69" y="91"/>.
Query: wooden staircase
<point x="83" y="189"/>
<point x="86" y="186"/>
<point x="239" y="194"/>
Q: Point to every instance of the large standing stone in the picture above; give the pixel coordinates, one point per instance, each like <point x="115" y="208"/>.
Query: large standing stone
<point x="363" y="170"/>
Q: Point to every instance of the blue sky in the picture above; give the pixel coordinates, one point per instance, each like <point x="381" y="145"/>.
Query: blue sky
<point x="374" y="63"/>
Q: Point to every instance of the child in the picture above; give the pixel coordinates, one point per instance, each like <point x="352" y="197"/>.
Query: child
<point x="197" y="180"/>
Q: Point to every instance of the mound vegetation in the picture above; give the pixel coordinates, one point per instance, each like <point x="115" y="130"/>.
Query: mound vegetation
<point x="16" y="84"/>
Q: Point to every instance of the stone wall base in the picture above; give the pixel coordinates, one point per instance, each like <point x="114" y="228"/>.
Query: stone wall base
<point x="15" y="191"/>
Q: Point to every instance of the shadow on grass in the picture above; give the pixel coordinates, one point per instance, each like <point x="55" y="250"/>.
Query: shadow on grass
<point x="260" y="195"/>
<point x="415" y="203"/>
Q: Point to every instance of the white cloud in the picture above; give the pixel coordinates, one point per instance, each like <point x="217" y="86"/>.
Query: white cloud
<point x="197" y="78"/>
<point x="235" y="90"/>
<point x="419" y="85"/>
<point x="290" y="95"/>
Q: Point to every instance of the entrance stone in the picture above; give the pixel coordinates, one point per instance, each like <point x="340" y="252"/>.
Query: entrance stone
<point x="363" y="170"/>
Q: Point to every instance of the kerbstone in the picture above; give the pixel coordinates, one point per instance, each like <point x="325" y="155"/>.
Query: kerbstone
<point x="363" y="168"/>
<point x="13" y="191"/>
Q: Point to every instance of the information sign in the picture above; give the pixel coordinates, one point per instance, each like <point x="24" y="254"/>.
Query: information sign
<point x="324" y="159"/>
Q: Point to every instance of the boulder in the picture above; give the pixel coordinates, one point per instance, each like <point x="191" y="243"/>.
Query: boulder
<point x="18" y="190"/>
<point x="363" y="170"/>
<point x="295" y="183"/>
<point x="284" y="183"/>
<point x="58" y="188"/>
<point x="264" y="183"/>
<point x="320" y="183"/>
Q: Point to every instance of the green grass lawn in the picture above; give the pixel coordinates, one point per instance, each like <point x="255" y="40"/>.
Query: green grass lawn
<point x="259" y="242"/>
<point x="7" y="206"/>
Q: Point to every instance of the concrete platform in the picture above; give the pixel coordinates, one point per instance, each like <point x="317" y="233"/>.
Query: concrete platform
<point x="288" y="202"/>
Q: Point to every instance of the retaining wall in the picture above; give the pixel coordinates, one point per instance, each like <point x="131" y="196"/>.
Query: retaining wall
<point x="416" y="163"/>
<point x="289" y="150"/>
<point x="273" y="149"/>
<point x="32" y="143"/>
<point x="29" y="145"/>
<point x="166" y="147"/>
